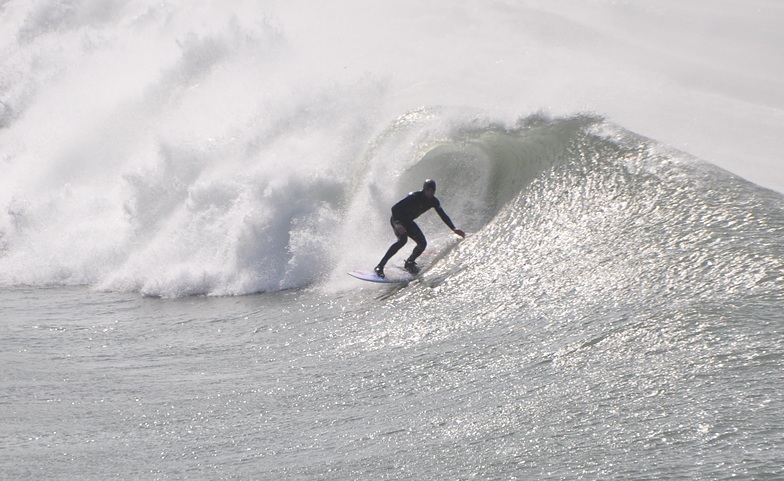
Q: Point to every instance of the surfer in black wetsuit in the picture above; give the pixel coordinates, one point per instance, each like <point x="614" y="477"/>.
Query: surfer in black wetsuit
<point x="403" y="215"/>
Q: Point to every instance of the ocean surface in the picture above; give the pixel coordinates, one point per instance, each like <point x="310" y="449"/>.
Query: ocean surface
<point x="183" y="186"/>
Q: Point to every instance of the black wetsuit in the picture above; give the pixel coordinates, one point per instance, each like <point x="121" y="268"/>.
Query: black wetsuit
<point x="404" y="212"/>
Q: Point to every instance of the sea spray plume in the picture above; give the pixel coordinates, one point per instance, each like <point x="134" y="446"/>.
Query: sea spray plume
<point x="260" y="215"/>
<point x="204" y="169"/>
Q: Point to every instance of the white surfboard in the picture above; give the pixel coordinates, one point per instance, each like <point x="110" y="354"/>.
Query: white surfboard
<point x="393" y="276"/>
<point x="398" y="275"/>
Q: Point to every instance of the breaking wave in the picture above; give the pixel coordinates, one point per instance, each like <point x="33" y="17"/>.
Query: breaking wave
<point x="230" y="163"/>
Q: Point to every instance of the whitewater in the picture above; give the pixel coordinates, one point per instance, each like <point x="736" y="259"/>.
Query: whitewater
<point x="183" y="186"/>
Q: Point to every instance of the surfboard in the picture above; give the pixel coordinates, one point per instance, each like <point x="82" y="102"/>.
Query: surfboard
<point x="398" y="275"/>
<point x="393" y="276"/>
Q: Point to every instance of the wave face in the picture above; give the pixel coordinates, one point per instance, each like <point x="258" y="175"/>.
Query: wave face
<point x="617" y="216"/>
<point x="585" y="221"/>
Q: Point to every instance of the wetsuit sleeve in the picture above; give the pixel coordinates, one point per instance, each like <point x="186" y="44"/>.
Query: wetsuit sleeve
<point x="445" y="217"/>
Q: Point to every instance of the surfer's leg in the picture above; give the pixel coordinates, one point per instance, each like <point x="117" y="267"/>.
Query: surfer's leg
<point x="393" y="250"/>
<point x="401" y="241"/>
<point x="415" y="233"/>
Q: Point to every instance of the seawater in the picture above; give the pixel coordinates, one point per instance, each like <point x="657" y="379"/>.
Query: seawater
<point x="617" y="314"/>
<point x="184" y="187"/>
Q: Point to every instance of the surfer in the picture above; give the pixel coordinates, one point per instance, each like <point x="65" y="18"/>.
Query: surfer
<point x="403" y="215"/>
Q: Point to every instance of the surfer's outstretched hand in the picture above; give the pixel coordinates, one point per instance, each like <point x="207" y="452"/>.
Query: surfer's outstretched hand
<point x="459" y="232"/>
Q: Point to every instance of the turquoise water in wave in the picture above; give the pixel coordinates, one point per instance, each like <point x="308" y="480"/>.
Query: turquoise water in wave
<point x="183" y="186"/>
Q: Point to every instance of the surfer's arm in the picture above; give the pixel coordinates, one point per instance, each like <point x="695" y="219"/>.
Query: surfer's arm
<point x="445" y="217"/>
<point x="448" y="222"/>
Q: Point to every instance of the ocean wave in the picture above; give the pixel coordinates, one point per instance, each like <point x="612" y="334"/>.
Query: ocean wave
<point x="574" y="196"/>
<point x="175" y="149"/>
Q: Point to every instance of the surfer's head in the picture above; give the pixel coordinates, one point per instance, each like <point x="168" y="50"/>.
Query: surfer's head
<point x="429" y="187"/>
